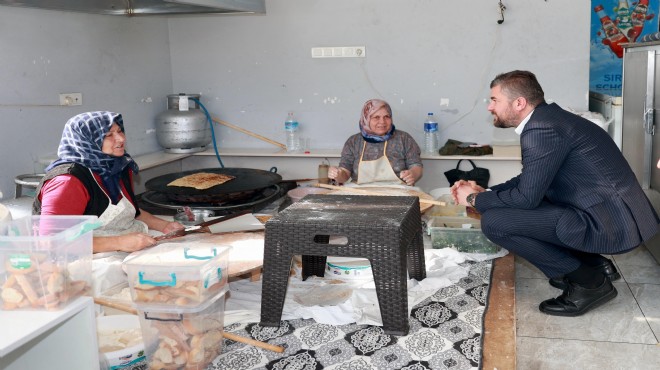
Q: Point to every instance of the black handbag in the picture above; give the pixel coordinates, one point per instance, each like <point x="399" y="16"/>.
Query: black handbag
<point x="477" y="174"/>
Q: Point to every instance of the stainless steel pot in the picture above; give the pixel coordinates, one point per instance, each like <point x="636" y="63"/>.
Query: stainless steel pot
<point x="198" y="216"/>
<point x="183" y="127"/>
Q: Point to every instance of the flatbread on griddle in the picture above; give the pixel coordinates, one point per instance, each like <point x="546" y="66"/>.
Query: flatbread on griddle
<point x="201" y="180"/>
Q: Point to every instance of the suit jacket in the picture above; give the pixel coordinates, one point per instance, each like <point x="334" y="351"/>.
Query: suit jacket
<point x="571" y="162"/>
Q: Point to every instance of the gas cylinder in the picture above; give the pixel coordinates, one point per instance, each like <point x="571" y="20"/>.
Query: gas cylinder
<point x="183" y="127"/>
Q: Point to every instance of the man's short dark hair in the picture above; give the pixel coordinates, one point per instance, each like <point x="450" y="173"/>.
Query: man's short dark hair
<point x="516" y="84"/>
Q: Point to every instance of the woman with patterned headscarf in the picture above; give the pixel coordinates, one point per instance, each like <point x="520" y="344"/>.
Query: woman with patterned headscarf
<point x="379" y="154"/>
<point x="93" y="176"/>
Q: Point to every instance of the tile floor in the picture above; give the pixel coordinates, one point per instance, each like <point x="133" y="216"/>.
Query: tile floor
<point x="622" y="334"/>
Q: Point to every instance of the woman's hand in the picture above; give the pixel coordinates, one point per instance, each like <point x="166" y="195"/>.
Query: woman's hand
<point x="131" y="242"/>
<point x="407" y="177"/>
<point x="157" y="223"/>
<point x="135" y="241"/>
<point x="172" y="226"/>
<point x="338" y="174"/>
<point x="411" y="176"/>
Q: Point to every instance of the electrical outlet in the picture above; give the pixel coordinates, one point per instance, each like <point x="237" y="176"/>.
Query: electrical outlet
<point x="69" y="99"/>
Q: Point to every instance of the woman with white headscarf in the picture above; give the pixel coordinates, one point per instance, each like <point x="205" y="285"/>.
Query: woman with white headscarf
<point x="93" y="176"/>
<point x="379" y="154"/>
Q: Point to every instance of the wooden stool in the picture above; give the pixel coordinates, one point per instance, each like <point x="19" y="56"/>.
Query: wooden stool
<point x="385" y="230"/>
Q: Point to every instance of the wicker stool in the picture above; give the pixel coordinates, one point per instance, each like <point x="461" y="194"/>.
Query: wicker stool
<point x="385" y="230"/>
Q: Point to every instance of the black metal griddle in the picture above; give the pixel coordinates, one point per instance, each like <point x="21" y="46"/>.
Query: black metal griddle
<point x="246" y="182"/>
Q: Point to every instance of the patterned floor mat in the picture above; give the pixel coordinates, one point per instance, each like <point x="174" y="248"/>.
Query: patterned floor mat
<point x="445" y="333"/>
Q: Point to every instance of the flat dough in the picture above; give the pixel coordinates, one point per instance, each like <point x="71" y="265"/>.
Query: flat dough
<point x="201" y="180"/>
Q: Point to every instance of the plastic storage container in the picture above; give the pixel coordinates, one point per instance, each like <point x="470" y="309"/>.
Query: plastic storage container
<point x="183" y="338"/>
<point x="45" y="261"/>
<point x="431" y="135"/>
<point x="450" y="209"/>
<point x="178" y="274"/>
<point x="460" y="233"/>
<point x="119" y="294"/>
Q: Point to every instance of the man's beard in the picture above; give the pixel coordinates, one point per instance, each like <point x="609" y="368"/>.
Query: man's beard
<point x="506" y="121"/>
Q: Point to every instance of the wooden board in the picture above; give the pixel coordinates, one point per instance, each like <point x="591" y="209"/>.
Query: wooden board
<point x="499" y="332"/>
<point x="390" y="191"/>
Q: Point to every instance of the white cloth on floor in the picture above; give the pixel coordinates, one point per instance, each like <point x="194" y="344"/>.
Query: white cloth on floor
<point x="360" y="305"/>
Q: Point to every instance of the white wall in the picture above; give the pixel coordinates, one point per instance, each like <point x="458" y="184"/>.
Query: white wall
<point x="251" y="70"/>
<point x="115" y="62"/>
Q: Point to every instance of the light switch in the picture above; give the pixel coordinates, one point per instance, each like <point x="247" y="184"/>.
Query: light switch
<point x="339" y="52"/>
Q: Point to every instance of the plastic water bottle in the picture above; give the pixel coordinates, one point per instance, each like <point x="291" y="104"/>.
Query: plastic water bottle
<point x="292" y="139"/>
<point x="430" y="135"/>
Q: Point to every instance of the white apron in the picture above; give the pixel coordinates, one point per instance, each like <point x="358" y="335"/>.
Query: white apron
<point x="377" y="172"/>
<point x="117" y="219"/>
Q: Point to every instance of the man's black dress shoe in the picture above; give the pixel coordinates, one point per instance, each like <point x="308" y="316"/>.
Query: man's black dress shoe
<point x="577" y="300"/>
<point x="607" y="268"/>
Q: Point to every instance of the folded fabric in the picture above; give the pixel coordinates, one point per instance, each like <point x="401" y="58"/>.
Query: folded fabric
<point x="455" y="147"/>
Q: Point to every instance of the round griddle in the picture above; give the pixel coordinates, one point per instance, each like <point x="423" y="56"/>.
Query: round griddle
<point x="246" y="181"/>
<point x="260" y="198"/>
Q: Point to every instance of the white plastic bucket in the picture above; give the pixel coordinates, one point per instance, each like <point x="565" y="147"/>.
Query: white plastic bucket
<point x="348" y="268"/>
<point x="128" y="357"/>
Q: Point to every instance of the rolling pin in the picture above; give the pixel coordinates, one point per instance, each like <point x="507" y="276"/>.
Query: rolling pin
<point x="250" y="133"/>
<point x="230" y="336"/>
<point x="369" y="192"/>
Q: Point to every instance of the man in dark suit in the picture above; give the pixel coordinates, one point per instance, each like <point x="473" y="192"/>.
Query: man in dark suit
<point x="575" y="198"/>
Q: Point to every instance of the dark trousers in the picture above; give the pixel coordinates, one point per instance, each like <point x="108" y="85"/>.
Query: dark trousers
<point x="532" y="235"/>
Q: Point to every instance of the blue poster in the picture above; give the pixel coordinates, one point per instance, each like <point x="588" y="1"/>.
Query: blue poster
<point x="614" y="23"/>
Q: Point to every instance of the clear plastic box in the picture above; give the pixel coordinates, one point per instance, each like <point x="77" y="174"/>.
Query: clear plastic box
<point x="183" y="338"/>
<point x="118" y="294"/>
<point x="45" y="261"/>
<point x="460" y="233"/>
<point x="178" y="274"/>
<point x="451" y="209"/>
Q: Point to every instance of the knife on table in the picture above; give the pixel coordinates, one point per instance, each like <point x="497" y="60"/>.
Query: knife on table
<point x="199" y="228"/>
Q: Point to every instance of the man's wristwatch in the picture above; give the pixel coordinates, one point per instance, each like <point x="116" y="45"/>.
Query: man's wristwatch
<point x="470" y="199"/>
